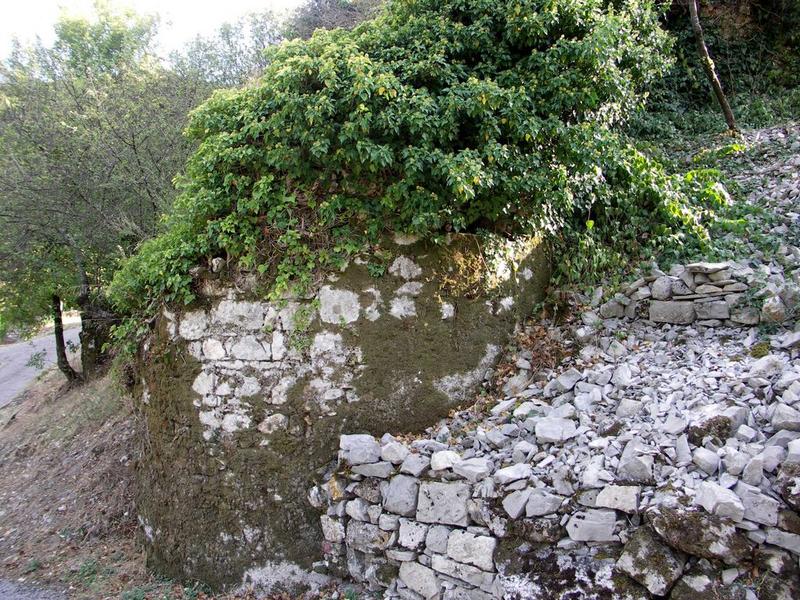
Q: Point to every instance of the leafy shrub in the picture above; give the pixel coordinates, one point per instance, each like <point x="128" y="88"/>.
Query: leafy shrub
<point x="438" y="116"/>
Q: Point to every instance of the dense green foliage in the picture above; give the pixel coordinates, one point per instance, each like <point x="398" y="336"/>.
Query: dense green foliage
<point x="90" y="140"/>
<point x="755" y="45"/>
<point x="435" y="117"/>
<point x="91" y="137"/>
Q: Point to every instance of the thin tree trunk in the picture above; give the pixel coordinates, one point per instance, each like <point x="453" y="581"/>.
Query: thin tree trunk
<point x="96" y="322"/>
<point x="89" y="349"/>
<point x="61" y="348"/>
<point x="708" y="66"/>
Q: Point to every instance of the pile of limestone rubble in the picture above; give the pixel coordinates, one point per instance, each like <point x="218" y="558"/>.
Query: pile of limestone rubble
<point x="661" y="460"/>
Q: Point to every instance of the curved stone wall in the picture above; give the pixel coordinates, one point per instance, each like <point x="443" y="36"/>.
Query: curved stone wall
<point x="243" y="400"/>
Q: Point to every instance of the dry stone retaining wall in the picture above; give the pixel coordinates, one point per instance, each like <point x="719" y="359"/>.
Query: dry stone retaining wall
<point x="659" y="461"/>
<point x="709" y="294"/>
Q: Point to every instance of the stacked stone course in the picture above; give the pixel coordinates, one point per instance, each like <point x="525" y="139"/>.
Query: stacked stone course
<point x="708" y="294"/>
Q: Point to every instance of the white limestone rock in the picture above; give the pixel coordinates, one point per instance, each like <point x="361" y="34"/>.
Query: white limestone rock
<point x="444" y="459"/>
<point x="719" y="501"/>
<point x="233" y="422"/>
<point x="394" y="452"/>
<point x="758" y="507"/>
<point x="415" y="464"/>
<point x="622" y="377"/>
<point x="712" y="310"/>
<point x="628" y="407"/>
<point x="473" y="469"/>
<point x="278" y="346"/>
<point x="476" y="550"/>
<point x="636" y="463"/>
<point x="381" y="470"/>
<point x="402" y="307"/>
<point x="358" y="449"/>
<point x="786" y="417"/>
<point x="213" y="349"/>
<point x="592" y="525"/>
<point x="792" y="452"/>
<point x="567" y="380"/>
<point x="706" y="460"/>
<point x="332" y="529"/>
<point x="249" y="347"/>
<point x="554" y="430"/>
<point x="541" y="502"/>
<point x="612" y="310"/>
<point x="515" y="503"/>
<point x="400" y="496"/>
<point x="624" y="498"/>
<point x="767" y="367"/>
<point x="707" y="267"/>
<point x="773" y="310"/>
<point x="746" y="316"/>
<point x="661" y="288"/>
<point x="193" y="325"/>
<point x="784" y="539"/>
<point x="513" y="473"/>
<point x="647" y="560"/>
<point x="411" y="534"/>
<point x="405" y="268"/>
<point x="420" y="579"/>
<point x="466" y="573"/>
<point x="436" y="540"/>
<point x="358" y="509"/>
<point x="674" y="312"/>
<point x="204" y="383"/>
<point x="448" y="311"/>
<point x="791" y="339"/>
<point x="273" y="423"/>
<point x="443" y="503"/>
<point x="240" y="313"/>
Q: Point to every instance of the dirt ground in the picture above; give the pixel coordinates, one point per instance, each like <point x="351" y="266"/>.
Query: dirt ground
<point x="65" y="463"/>
<point x="66" y="511"/>
<point x="67" y="518"/>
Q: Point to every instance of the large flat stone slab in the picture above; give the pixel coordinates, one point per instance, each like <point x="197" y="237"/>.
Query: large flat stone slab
<point x="674" y="312"/>
<point x="444" y="503"/>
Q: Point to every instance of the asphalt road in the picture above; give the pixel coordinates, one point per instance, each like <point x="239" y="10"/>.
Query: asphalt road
<point x="15" y="375"/>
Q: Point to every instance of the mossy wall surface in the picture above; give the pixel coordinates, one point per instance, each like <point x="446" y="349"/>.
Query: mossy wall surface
<point x="244" y="399"/>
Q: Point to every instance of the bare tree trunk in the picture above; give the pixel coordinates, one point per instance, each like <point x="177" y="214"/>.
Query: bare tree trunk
<point x="708" y="66"/>
<point x="61" y="348"/>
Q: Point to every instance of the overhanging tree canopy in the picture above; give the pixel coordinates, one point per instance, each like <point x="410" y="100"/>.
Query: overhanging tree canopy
<point x="90" y="140"/>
